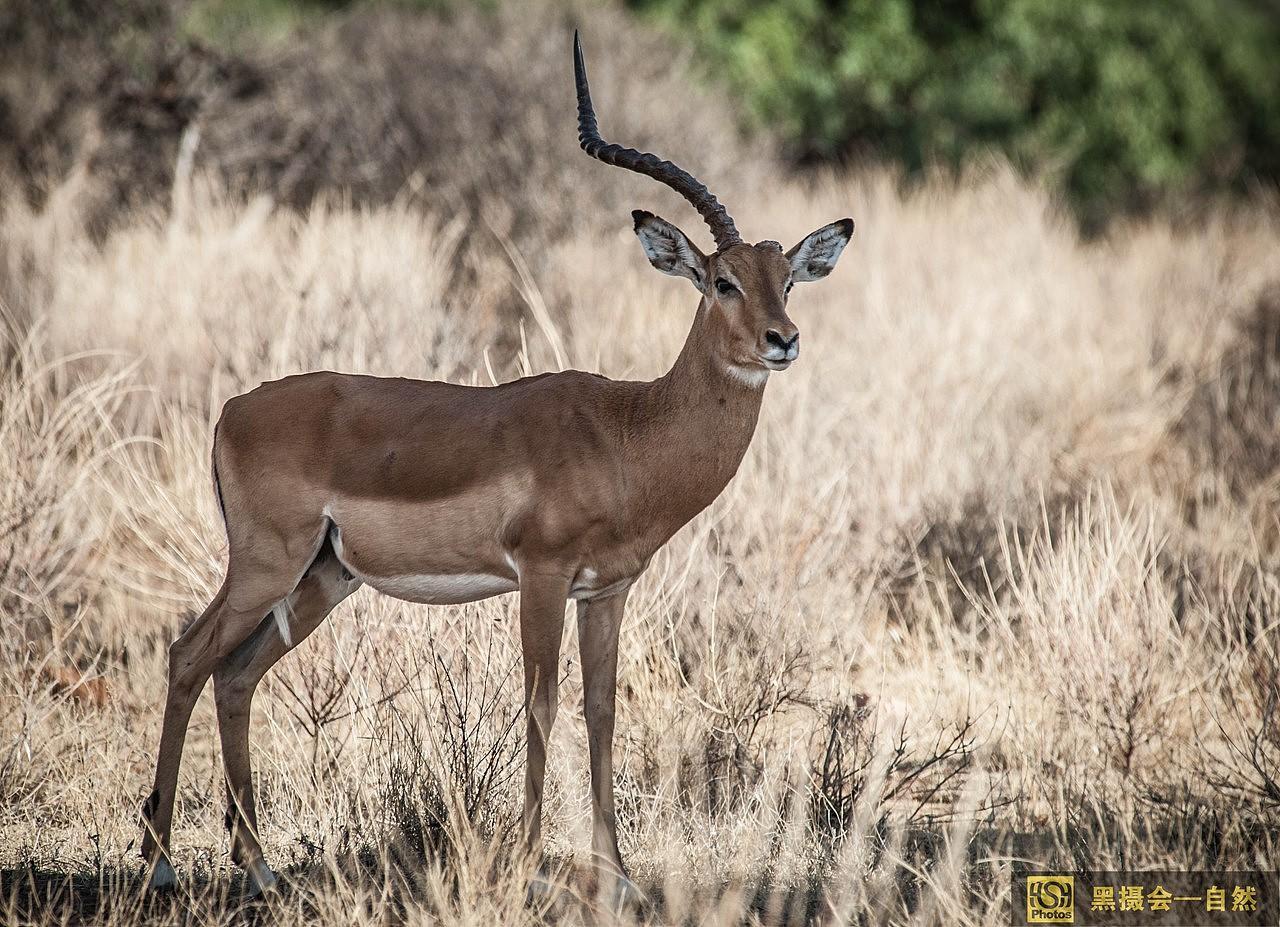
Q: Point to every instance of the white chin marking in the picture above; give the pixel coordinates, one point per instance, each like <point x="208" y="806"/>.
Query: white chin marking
<point x="162" y="876"/>
<point x="754" y="377"/>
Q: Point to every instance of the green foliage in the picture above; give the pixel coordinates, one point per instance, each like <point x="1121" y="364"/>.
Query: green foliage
<point x="1125" y="102"/>
<point x="236" y="25"/>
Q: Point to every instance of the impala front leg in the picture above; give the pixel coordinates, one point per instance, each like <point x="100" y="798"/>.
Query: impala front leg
<point x="542" y="604"/>
<point x="599" y="621"/>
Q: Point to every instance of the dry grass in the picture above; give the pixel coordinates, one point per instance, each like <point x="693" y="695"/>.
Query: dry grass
<point x="997" y="580"/>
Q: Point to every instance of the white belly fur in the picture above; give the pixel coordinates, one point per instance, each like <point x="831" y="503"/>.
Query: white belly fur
<point x="460" y="588"/>
<point x="428" y="588"/>
<point x="439" y="589"/>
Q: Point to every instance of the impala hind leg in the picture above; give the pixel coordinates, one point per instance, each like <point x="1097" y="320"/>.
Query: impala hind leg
<point x="192" y="658"/>
<point x="157" y="811"/>
<point x="249" y="592"/>
<point x="236" y="679"/>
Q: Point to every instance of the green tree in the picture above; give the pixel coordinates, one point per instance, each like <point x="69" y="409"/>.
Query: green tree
<point x="1124" y="102"/>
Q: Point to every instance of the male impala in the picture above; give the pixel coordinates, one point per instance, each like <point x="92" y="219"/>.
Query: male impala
<point x="561" y="486"/>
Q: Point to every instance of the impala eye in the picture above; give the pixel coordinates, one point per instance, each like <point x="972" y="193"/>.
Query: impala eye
<point x="724" y="287"/>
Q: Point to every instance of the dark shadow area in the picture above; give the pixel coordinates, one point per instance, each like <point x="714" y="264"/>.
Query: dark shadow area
<point x="39" y="894"/>
<point x="399" y="865"/>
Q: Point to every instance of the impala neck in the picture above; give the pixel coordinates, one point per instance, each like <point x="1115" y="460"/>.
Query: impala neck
<point x="701" y="380"/>
<point x="698" y="422"/>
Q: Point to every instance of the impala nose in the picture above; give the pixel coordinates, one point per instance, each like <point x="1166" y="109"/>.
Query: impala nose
<point x="780" y="347"/>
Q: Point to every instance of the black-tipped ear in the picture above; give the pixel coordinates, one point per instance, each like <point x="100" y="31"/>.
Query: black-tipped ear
<point x="816" y="254"/>
<point x="669" y="249"/>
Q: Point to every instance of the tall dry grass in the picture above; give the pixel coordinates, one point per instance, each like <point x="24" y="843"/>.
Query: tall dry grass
<point x="997" y="581"/>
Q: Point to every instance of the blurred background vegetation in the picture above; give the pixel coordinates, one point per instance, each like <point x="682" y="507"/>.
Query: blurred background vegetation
<point x="1121" y="105"/>
<point x="1124" y="103"/>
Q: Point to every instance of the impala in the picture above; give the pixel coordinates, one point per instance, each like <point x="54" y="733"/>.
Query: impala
<point x="561" y="486"/>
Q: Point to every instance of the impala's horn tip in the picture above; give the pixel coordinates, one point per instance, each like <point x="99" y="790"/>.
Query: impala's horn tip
<point x="643" y="162"/>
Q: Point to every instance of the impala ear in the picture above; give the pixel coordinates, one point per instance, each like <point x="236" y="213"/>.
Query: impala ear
<point x="816" y="255"/>
<point x="669" y="249"/>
